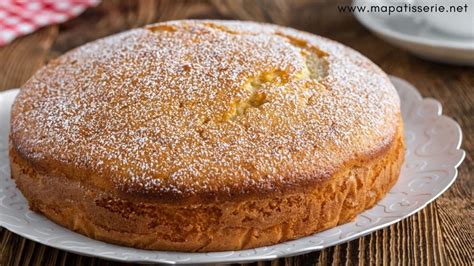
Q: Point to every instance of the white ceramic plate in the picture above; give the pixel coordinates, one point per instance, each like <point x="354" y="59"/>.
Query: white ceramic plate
<point x="433" y="154"/>
<point x="415" y="35"/>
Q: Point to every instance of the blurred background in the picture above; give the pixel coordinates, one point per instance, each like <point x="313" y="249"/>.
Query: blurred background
<point x="322" y="17"/>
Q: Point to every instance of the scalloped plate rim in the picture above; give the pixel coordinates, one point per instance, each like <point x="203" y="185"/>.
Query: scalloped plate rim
<point x="207" y="257"/>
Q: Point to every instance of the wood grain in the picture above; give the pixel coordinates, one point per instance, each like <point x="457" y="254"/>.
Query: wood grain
<point x="441" y="233"/>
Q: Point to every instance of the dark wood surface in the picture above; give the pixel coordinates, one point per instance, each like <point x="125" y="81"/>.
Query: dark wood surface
<point x="442" y="233"/>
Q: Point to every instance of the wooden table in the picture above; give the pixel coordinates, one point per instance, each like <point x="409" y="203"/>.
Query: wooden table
<point x="439" y="234"/>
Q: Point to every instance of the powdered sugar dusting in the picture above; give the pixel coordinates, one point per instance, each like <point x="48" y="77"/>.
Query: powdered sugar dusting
<point x="144" y="109"/>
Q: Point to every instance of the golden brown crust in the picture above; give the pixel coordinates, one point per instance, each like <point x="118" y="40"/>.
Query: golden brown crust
<point x="213" y="226"/>
<point x="204" y="111"/>
<point x="206" y="136"/>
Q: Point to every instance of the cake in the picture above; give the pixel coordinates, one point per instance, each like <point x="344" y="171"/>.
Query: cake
<point x="202" y="135"/>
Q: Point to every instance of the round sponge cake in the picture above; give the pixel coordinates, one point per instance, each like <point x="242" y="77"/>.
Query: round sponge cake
<point x="205" y="136"/>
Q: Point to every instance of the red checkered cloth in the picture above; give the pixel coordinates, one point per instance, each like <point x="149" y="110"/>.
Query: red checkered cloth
<point x="18" y="18"/>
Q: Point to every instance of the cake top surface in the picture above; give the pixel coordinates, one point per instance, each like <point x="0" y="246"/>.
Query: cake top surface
<point x="191" y="109"/>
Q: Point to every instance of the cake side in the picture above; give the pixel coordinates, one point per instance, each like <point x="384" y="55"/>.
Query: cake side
<point x="230" y="225"/>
